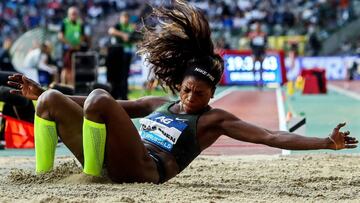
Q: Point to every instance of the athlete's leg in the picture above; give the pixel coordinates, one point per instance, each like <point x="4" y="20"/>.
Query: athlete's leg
<point x="68" y="117"/>
<point x="126" y="157"/>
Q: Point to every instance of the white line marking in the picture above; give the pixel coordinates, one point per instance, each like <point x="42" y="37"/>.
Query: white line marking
<point x="281" y="115"/>
<point x="344" y="91"/>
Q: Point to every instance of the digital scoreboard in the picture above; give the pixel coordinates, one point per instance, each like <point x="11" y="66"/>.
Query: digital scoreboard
<point x="239" y="68"/>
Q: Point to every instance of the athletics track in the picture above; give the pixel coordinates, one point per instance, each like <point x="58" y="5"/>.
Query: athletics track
<point x="322" y="112"/>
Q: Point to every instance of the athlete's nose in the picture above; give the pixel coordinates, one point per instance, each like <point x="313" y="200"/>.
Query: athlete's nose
<point x="191" y="97"/>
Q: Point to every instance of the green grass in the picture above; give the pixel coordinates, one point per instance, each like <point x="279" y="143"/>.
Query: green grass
<point x="138" y="93"/>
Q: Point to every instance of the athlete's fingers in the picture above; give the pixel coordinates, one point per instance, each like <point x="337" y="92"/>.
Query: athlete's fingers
<point x="15" y="77"/>
<point x="349" y="138"/>
<point x="340" y="125"/>
<point x="14" y="84"/>
<point x="18" y="92"/>
<point x="350" y="146"/>
<point x="351" y="141"/>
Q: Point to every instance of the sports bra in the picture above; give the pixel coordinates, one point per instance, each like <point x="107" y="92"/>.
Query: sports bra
<point x="173" y="133"/>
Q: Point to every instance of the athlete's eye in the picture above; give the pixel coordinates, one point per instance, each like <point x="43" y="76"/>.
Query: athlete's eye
<point x="186" y="90"/>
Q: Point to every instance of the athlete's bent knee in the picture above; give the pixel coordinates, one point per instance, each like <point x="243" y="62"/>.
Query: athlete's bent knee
<point x="96" y="102"/>
<point x="48" y="100"/>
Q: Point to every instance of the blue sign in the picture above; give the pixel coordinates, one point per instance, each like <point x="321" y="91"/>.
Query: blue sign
<point x="239" y="69"/>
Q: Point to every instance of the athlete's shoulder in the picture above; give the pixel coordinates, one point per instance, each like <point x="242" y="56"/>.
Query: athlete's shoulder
<point x="216" y="115"/>
<point x="155" y="99"/>
<point x="153" y="102"/>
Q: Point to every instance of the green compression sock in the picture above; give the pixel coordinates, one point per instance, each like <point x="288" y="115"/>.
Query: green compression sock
<point x="45" y="144"/>
<point x="94" y="137"/>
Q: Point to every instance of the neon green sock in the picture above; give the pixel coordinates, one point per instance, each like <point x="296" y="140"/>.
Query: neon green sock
<point x="45" y="143"/>
<point x="94" y="137"/>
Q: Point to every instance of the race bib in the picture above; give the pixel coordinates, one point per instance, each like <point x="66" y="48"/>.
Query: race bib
<point x="259" y="41"/>
<point x="161" y="130"/>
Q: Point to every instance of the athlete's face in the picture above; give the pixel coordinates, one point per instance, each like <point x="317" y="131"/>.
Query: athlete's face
<point x="195" y="94"/>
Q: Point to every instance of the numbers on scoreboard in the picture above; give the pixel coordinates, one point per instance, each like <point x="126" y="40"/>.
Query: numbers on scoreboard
<point x="240" y="67"/>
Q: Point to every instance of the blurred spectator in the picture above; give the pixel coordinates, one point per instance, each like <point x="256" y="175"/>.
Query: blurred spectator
<point x="95" y="11"/>
<point x="314" y="42"/>
<point x="292" y="54"/>
<point x="72" y="36"/>
<point x="5" y="58"/>
<point x="40" y="59"/>
<point x="228" y="17"/>
<point x="352" y="71"/>
<point x="119" y="56"/>
<point x="258" y="42"/>
<point x="343" y="11"/>
<point x="220" y="45"/>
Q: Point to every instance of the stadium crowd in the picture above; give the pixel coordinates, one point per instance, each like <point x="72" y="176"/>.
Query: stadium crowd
<point x="21" y="15"/>
<point x="281" y="17"/>
<point x="325" y="16"/>
<point x="18" y="16"/>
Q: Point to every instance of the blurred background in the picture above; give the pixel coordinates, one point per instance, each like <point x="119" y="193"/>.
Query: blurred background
<point x="300" y="30"/>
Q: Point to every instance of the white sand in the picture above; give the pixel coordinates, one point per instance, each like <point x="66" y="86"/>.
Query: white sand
<point x="320" y="178"/>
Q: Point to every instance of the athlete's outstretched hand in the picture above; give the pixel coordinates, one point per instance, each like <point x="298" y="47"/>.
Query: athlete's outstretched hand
<point x="341" y="140"/>
<point x="24" y="86"/>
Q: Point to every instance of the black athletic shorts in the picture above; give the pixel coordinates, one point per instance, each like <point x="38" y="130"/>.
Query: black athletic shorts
<point x="160" y="166"/>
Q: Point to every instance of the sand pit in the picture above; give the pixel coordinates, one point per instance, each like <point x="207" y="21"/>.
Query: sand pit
<point x="320" y="178"/>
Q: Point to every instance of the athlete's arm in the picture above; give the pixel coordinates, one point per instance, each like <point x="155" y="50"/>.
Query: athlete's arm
<point x="32" y="90"/>
<point x="142" y="106"/>
<point x="235" y="128"/>
<point x="134" y="108"/>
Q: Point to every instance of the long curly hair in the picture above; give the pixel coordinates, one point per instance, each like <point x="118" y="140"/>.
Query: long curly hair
<point x="179" y="39"/>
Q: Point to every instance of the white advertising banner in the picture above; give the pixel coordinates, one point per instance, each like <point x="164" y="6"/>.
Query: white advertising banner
<point x="336" y="66"/>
